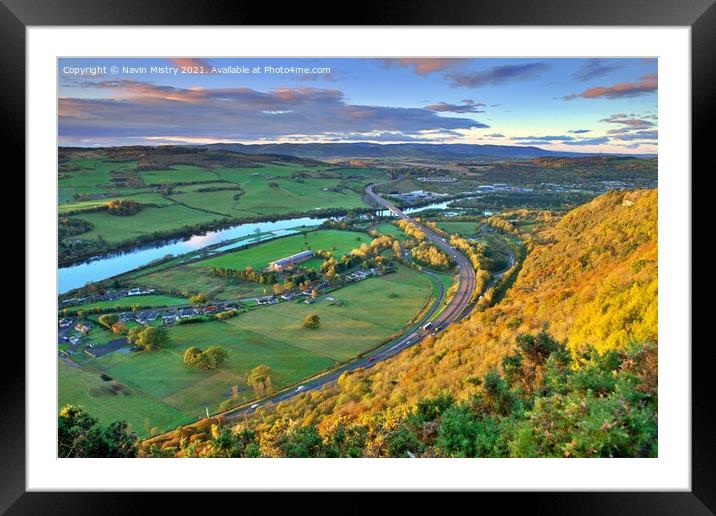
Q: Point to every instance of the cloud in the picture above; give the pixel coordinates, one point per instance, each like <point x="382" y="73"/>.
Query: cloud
<point x="594" y="68"/>
<point x="142" y="110"/>
<point x="497" y="75"/>
<point x="191" y="62"/>
<point x="536" y="142"/>
<point x="631" y="122"/>
<point x="638" y="135"/>
<point x="589" y="141"/>
<point x="579" y="131"/>
<point x="544" y="138"/>
<point x="330" y="77"/>
<point x="559" y="139"/>
<point x="495" y="135"/>
<point x="468" y="106"/>
<point x="424" y="65"/>
<point x="645" y="85"/>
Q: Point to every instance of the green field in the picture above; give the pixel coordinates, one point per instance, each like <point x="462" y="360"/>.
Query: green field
<point x="147" y="300"/>
<point x="83" y="386"/>
<point x="116" y="229"/>
<point x="392" y="230"/>
<point x="157" y="390"/>
<point x="186" y="279"/>
<point x="144" y="197"/>
<point x="178" y="174"/>
<point x="462" y="228"/>
<point x="92" y="175"/>
<point x="259" y="256"/>
<point x="271" y="190"/>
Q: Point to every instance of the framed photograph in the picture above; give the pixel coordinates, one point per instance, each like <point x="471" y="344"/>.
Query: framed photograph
<point x="436" y="249"/>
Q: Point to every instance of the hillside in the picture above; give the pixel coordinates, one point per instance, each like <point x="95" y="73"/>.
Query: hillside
<point x="504" y="374"/>
<point x="392" y="150"/>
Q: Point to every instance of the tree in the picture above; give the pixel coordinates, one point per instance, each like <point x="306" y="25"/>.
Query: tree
<point x="193" y="357"/>
<point x="149" y="338"/>
<point x="211" y="358"/>
<point x="119" y="328"/>
<point x="260" y="380"/>
<point x="311" y="321"/>
<point x="132" y="335"/>
<point x="107" y="320"/>
<point x="198" y="299"/>
<point x="81" y="435"/>
<point x="124" y="207"/>
<point x="215" y="356"/>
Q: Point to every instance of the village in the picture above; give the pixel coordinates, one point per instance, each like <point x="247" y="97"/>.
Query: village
<point x="76" y="331"/>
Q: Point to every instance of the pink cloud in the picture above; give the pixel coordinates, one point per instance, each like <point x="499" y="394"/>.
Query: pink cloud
<point x="190" y="62"/>
<point x="423" y="65"/>
<point x="647" y="84"/>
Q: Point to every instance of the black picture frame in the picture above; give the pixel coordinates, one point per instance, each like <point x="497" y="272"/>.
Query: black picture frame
<point x="700" y="15"/>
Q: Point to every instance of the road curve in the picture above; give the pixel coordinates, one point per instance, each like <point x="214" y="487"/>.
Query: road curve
<point x="454" y="311"/>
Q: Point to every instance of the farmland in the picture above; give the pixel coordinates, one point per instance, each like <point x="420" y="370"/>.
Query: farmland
<point x="192" y="280"/>
<point x="149" y="220"/>
<point x="389" y="229"/>
<point x="157" y="390"/>
<point x="176" y="197"/>
<point x="144" y="301"/>
<point x="258" y="257"/>
<point x="460" y="227"/>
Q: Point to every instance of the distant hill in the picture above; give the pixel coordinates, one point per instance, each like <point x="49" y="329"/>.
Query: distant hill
<point x="398" y="150"/>
<point x="162" y="156"/>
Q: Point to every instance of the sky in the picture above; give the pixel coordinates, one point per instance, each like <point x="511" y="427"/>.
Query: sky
<point x="572" y="104"/>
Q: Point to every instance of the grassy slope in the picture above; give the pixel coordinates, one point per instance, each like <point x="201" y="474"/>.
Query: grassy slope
<point x="142" y="412"/>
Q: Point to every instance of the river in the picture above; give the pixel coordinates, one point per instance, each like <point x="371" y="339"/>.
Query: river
<point x="78" y="275"/>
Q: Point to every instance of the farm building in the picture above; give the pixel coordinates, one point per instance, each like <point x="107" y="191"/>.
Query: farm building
<point x="290" y="261"/>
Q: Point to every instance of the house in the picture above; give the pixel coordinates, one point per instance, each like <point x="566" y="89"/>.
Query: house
<point x="210" y="309"/>
<point x="290" y="261"/>
<point x="83" y="327"/>
<point x="65" y="322"/>
<point x="185" y="313"/>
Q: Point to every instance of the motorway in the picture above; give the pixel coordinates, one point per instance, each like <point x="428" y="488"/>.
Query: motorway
<point x="454" y="311"/>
